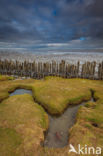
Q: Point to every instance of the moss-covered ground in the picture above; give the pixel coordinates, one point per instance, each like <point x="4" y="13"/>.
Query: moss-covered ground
<point x="23" y="121"/>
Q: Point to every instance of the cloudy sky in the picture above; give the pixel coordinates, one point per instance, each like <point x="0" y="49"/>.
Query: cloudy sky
<point x="50" y="25"/>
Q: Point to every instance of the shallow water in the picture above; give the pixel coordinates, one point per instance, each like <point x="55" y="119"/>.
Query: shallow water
<point x="20" y="92"/>
<point x="58" y="132"/>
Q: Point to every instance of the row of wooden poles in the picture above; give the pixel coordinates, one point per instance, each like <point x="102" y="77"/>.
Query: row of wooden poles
<point x="39" y="70"/>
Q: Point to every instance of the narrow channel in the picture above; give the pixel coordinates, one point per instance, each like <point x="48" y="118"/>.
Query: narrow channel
<point x="58" y="132"/>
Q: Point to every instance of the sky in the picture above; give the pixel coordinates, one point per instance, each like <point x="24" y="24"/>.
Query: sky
<point x="51" y="25"/>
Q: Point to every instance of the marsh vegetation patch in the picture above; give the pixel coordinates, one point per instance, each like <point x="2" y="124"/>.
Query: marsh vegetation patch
<point x="25" y="114"/>
<point x="57" y="134"/>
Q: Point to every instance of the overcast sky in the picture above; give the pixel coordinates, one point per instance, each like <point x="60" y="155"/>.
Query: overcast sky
<point x="43" y="25"/>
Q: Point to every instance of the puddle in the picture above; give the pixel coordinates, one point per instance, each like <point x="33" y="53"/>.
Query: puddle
<point x="20" y="92"/>
<point x="58" y="132"/>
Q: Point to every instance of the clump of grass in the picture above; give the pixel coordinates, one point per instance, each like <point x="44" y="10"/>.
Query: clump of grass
<point x="4" y="78"/>
<point x="88" y="125"/>
<point x="90" y="104"/>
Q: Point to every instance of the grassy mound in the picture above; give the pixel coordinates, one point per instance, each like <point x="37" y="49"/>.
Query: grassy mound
<point x="20" y="116"/>
<point x="55" y="94"/>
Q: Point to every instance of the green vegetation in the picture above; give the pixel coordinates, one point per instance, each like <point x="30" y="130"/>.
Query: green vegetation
<point x="10" y="140"/>
<point x="4" y="78"/>
<point x="23" y="121"/>
<point x="21" y="116"/>
<point x="55" y="94"/>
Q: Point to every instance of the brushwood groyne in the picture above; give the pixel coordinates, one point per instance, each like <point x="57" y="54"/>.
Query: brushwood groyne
<point x="38" y="70"/>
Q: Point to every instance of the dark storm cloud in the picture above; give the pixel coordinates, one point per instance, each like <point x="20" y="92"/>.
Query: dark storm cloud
<point x="51" y="21"/>
<point x="96" y="8"/>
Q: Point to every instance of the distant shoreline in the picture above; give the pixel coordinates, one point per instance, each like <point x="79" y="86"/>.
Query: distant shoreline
<point x="70" y="57"/>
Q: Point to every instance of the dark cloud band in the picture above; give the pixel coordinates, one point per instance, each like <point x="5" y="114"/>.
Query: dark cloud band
<point x="51" y="21"/>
